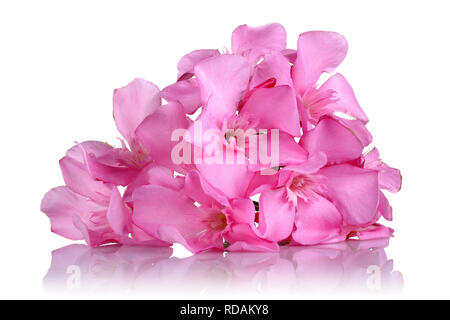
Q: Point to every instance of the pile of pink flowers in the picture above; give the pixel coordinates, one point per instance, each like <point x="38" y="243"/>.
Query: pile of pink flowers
<point x="165" y="186"/>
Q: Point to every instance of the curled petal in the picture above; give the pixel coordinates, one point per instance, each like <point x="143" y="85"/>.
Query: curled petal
<point x="78" y="179"/>
<point x="243" y="238"/>
<point x="77" y="217"/>
<point x="118" y="214"/>
<point x="105" y="163"/>
<point x="389" y="178"/>
<point x="119" y="173"/>
<point x="97" y="148"/>
<point x="188" y="62"/>
<point x="276" y="215"/>
<point x="384" y="207"/>
<point x="358" y="128"/>
<point x="291" y="153"/>
<point x="373" y="232"/>
<point x="185" y="92"/>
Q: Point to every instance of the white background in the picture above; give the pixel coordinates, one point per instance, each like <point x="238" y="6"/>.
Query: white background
<point x="61" y="60"/>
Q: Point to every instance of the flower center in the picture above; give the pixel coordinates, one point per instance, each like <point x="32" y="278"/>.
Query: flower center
<point x="217" y="221"/>
<point x="138" y="157"/>
<point x="238" y="128"/>
<point x="316" y="102"/>
<point x="306" y="187"/>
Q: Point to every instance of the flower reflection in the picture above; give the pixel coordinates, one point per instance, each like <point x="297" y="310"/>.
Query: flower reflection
<point x="351" y="266"/>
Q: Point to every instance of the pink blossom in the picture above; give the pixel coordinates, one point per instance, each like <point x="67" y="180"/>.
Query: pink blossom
<point x="197" y="216"/>
<point x="319" y="52"/>
<point x="326" y="198"/>
<point x="316" y="182"/>
<point x="90" y="209"/>
<point x="146" y="127"/>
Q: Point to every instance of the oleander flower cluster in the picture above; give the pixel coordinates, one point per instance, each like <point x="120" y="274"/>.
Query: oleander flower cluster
<point x="249" y="149"/>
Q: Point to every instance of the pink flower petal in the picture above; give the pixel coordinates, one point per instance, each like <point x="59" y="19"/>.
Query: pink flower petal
<point x="318" y="52"/>
<point x="290" y="55"/>
<point x="132" y="104"/>
<point x="185" y="92"/>
<point x="375" y="231"/>
<point x="316" y="221"/>
<point x="336" y="141"/>
<point x="357" y="127"/>
<point x="274" y="65"/>
<point x="222" y="81"/>
<point x="390" y="178"/>
<point x="243" y="211"/>
<point x="384" y="207"/>
<point x="118" y="214"/>
<point x="274" y="108"/>
<point x="77" y="178"/>
<point x="98" y="148"/>
<point x="354" y="191"/>
<point x="202" y="192"/>
<point x="276" y="215"/>
<point x="60" y="205"/>
<point x="243" y="238"/>
<point x="291" y="153"/>
<point x="156" y="130"/>
<point x="188" y="62"/>
<point x="232" y="179"/>
<point x="312" y="165"/>
<point x="170" y="216"/>
<point x="346" y="101"/>
<point x="254" y="42"/>
<point x="115" y="173"/>
<point x="156" y="175"/>
<point x="372" y="156"/>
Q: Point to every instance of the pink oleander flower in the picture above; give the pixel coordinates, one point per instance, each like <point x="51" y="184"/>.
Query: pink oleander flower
<point x="319" y="52"/>
<point x="251" y="43"/>
<point x="197" y="216"/>
<point x="228" y="110"/>
<point x="132" y="104"/>
<point x="315" y="179"/>
<point x="88" y="209"/>
<point x="136" y="107"/>
<point x="334" y="195"/>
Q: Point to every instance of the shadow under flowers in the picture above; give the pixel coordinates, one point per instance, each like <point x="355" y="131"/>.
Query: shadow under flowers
<point x="351" y="266"/>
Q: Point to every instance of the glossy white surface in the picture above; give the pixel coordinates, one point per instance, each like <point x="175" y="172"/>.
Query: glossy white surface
<point x="352" y="268"/>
